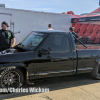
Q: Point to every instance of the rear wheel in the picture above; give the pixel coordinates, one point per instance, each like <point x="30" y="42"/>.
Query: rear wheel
<point x="11" y="78"/>
<point x="96" y="71"/>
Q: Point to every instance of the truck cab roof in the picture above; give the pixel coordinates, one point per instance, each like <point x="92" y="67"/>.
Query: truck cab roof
<point x="52" y="31"/>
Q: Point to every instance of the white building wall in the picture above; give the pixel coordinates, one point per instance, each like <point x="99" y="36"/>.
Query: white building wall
<point x="25" y="21"/>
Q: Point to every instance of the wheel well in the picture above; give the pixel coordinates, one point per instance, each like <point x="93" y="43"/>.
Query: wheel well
<point x="23" y="70"/>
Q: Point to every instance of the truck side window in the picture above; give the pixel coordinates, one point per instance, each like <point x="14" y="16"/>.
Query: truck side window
<point x="57" y="43"/>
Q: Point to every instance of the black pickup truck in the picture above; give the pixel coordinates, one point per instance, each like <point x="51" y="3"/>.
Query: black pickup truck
<point x="45" y="54"/>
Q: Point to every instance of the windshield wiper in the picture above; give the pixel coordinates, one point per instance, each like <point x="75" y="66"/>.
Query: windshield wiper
<point x="19" y="45"/>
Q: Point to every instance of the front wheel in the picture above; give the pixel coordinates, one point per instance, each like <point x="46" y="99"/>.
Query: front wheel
<point x="96" y="71"/>
<point x="11" y="78"/>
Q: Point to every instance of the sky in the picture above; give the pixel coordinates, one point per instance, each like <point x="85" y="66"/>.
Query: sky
<point x="55" y="6"/>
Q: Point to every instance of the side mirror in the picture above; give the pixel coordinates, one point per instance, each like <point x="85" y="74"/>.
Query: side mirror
<point x="43" y="51"/>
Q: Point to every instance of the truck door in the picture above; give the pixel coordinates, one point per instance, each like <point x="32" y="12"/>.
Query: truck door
<point x="5" y="17"/>
<point x="60" y="60"/>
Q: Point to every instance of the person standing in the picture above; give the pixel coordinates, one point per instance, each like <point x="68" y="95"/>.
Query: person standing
<point x="50" y="27"/>
<point x="71" y="29"/>
<point x="7" y="38"/>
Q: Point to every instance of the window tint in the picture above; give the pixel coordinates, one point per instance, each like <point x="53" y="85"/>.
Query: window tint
<point x="57" y="43"/>
<point x="32" y="40"/>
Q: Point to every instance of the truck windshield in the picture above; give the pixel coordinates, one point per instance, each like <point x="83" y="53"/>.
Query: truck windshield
<point x="32" y="40"/>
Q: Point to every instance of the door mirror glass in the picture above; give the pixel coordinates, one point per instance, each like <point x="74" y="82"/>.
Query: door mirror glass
<point x="43" y="51"/>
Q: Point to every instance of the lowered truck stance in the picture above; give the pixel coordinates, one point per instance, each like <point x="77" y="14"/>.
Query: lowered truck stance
<point x="45" y="54"/>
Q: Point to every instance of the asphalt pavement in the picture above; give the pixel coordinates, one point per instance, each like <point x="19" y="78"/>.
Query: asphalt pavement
<point x="78" y="87"/>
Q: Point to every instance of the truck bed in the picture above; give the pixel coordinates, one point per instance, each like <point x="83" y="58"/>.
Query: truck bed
<point x="93" y="46"/>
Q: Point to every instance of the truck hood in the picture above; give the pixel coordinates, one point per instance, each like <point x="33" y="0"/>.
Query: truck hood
<point x="15" y="56"/>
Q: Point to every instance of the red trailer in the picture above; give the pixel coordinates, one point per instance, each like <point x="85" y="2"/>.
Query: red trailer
<point x="87" y="26"/>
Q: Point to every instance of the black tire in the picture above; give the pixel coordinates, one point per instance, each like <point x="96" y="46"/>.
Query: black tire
<point x="96" y="72"/>
<point x="11" y="78"/>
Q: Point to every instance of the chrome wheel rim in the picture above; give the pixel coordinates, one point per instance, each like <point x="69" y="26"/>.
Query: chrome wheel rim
<point x="10" y="79"/>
